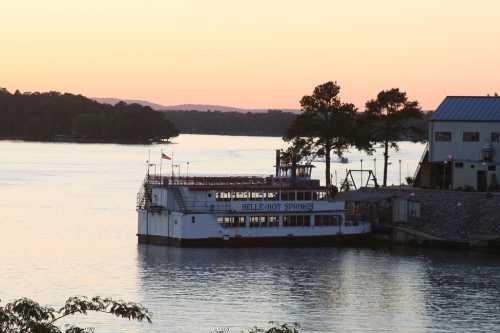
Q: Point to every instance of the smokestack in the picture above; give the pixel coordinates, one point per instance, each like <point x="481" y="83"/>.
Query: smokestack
<point x="278" y="161"/>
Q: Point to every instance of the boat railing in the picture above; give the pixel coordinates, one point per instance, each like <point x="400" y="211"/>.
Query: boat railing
<point x="204" y="181"/>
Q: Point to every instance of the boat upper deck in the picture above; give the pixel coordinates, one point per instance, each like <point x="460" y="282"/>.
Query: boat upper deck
<point x="233" y="182"/>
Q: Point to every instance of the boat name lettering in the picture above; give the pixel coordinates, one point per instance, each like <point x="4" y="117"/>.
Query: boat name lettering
<point x="277" y="206"/>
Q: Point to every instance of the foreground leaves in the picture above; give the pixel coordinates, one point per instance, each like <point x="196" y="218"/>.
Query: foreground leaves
<point x="27" y="316"/>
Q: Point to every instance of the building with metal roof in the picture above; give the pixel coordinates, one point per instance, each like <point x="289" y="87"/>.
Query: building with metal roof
<point x="463" y="149"/>
<point x="468" y="108"/>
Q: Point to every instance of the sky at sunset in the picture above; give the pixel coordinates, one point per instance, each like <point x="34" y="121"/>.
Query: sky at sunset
<point x="254" y="54"/>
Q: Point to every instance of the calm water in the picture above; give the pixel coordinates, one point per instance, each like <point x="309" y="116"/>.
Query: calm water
<point x="68" y="224"/>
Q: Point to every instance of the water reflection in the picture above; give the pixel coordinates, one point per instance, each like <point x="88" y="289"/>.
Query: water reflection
<point x="325" y="289"/>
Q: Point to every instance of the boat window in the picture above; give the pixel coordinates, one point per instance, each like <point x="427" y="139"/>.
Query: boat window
<point x="320" y="195"/>
<point x="288" y="196"/>
<point x="272" y="221"/>
<point x="240" y="221"/>
<point x="326" y="220"/>
<point x="223" y="196"/>
<point x="304" y="195"/>
<point x="258" y="221"/>
<point x="273" y="196"/>
<point x="231" y="221"/>
<point x="241" y="196"/>
<point x="258" y="195"/>
<point x="296" y="220"/>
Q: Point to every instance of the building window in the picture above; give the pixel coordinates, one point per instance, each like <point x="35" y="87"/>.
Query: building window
<point x="495" y="136"/>
<point x="442" y="136"/>
<point x="492" y="168"/>
<point x="471" y="136"/>
<point x="459" y="165"/>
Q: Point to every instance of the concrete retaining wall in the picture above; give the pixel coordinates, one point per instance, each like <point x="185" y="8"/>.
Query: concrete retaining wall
<point x="454" y="216"/>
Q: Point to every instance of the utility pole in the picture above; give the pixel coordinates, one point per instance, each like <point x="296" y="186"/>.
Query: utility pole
<point x="361" y="184"/>
<point x="400" y="173"/>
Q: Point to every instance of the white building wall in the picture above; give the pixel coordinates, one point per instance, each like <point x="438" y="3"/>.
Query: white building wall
<point x="466" y="176"/>
<point x="457" y="148"/>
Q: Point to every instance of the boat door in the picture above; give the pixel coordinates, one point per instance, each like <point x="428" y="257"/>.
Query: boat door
<point x="481" y="181"/>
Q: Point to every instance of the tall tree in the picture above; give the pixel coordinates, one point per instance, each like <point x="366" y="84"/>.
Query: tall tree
<point x="389" y="119"/>
<point x="325" y="125"/>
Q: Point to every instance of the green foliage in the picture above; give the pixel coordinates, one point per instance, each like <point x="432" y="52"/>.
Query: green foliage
<point x="278" y="328"/>
<point x="27" y="316"/>
<point x="388" y="119"/>
<point x="45" y="116"/>
<point x="275" y="328"/>
<point x="326" y="124"/>
<point x="299" y="149"/>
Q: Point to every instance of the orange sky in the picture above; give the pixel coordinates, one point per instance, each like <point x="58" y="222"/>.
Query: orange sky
<point x="256" y="54"/>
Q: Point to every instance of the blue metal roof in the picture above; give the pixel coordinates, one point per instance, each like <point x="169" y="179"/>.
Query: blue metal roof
<point x="468" y="108"/>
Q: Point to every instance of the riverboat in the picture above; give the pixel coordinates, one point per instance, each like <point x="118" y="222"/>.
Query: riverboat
<point x="285" y="209"/>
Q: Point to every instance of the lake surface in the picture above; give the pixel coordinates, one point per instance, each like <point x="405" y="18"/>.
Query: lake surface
<point x="68" y="225"/>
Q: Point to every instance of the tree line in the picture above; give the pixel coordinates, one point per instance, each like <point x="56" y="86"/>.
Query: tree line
<point x="327" y="125"/>
<point x="52" y="115"/>
<point x="270" y="123"/>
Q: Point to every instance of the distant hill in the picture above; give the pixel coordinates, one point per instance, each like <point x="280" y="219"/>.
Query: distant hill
<point x="114" y="101"/>
<point x="187" y="107"/>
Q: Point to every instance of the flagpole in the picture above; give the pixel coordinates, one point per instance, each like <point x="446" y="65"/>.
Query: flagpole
<point x="148" y="161"/>
<point x="161" y="160"/>
<point x="172" y="165"/>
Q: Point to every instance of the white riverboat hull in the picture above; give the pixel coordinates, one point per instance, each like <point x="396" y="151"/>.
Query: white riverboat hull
<point x="178" y="229"/>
